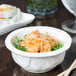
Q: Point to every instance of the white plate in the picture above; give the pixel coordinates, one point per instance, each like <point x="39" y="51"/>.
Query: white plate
<point x="26" y="19"/>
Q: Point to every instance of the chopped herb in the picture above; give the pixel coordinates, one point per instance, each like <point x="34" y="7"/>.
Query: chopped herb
<point x="39" y="34"/>
<point x="17" y="44"/>
<point x="29" y="42"/>
<point x="17" y="39"/>
<point x="32" y="38"/>
<point x="53" y="41"/>
<point x="46" y="33"/>
<point x="25" y="35"/>
<point x="47" y="48"/>
<point x="42" y="49"/>
<point x="42" y="46"/>
<point x="23" y="48"/>
<point x="19" y="47"/>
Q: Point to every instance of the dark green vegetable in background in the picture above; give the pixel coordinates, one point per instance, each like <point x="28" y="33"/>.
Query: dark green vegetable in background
<point x="42" y="3"/>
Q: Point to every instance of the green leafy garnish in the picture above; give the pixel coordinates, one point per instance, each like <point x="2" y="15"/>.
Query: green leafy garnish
<point x="25" y="35"/>
<point x="59" y="45"/>
<point x="17" y="39"/>
<point x="46" y="33"/>
<point x="17" y="44"/>
<point x="47" y="48"/>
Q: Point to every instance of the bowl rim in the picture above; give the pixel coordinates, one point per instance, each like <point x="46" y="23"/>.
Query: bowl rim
<point x="9" y="45"/>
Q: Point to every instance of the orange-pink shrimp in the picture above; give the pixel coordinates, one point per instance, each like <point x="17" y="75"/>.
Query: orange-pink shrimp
<point x="36" y="45"/>
<point x="37" y="42"/>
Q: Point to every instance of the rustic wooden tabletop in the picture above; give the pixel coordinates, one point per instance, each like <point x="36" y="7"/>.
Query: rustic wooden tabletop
<point x="8" y="67"/>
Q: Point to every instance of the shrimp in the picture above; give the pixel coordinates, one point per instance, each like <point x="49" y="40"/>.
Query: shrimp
<point x="34" y="34"/>
<point x="52" y="40"/>
<point x="36" y="45"/>
<point x="32" y="49"/>
<point x="45" y="46"/>
<point x="32" y="45"/>
<point x="37" y="42"/>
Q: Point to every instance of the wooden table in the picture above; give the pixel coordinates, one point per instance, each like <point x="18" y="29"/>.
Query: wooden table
<point x="8" y="66"/>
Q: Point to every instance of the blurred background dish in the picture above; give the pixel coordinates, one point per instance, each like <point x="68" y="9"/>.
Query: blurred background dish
<point x="26" y="19"/>
<point x="11" y="18"/>
<point x="42" y="9"/>
<point x="9" y="14"/>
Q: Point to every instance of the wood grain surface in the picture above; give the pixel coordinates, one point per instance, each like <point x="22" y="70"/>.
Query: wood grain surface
<point x="8" y="67"/>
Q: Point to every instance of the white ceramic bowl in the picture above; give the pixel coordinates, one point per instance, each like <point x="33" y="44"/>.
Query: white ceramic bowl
<point x="39" y="62"/>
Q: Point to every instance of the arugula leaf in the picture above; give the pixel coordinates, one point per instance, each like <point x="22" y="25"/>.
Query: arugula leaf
<point x="23" y="48"/>
<point x="17" y="44"/>
<point x="17" y="39"/>
<point x="59" y="45"/>
<point x="25" y="35"/>
<point x="19" y="47"/>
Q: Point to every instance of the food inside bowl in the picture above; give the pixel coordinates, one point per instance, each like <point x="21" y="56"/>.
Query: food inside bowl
<point x="9" y="14"/>
<point x="36" y="42"/>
